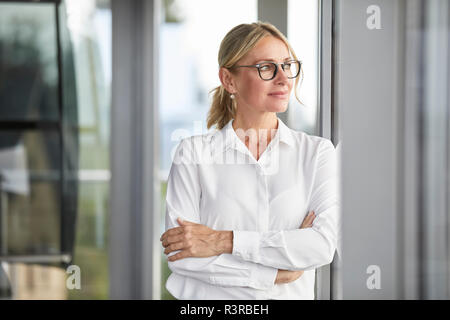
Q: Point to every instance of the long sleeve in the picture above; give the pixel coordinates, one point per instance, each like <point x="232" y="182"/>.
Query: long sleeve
<point x="182" y="200"/>
<point x="301" y="249"/>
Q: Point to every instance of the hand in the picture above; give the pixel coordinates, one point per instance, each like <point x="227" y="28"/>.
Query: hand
<point x="308" y="221"/>
<point x="286" y="276"/>
<point x="196" y="240"/>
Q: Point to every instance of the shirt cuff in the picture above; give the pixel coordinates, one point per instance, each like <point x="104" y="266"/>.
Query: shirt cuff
<point x="246" y="245"/>
<point x="263" y="277"/>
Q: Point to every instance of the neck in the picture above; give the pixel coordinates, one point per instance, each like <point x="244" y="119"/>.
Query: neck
<point x="267" y="120"/>
<point x="264" y="125"/>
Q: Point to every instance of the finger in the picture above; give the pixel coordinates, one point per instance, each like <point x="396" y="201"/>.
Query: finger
<point x="171" y="232"/>
<point x="307" y="222"/>
<point x="174" y="247"/>
<point x="172" y="239"/>
<point x="311" y="217"/>
<point x="167" y="241"/>
<point x="178" y="256"/>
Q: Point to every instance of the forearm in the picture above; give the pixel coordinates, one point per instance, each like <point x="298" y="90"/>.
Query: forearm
<point x="294" y="250"/>
<point x="226" y="270"/>
<point x="222" y="241"/>
<point x="207" y="257"/>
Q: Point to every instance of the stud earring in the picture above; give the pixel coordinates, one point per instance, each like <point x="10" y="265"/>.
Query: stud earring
<point x="232" y="96"/>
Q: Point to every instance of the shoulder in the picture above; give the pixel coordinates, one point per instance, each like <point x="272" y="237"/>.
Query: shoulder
<point x="317" y="153"/>
<point x="311" y="144"/>
<point x="197" y="142"/>
<point x="194" y="148"/>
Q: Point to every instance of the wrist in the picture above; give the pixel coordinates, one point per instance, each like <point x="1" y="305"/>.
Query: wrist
<point x="225" y="241"/>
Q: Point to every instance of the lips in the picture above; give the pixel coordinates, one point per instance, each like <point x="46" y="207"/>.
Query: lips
<point x="279" y="94"/>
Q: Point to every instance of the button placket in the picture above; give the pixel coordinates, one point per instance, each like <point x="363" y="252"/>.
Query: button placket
<point x="263" y="198"/>
<point x="265" y="219"/>
<point x="260" y="196"/>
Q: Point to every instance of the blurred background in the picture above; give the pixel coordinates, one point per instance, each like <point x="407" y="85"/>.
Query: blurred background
<point x="96" y="94"/>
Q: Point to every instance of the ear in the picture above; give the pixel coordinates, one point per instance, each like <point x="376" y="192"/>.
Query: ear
<point x="227" y="80"/>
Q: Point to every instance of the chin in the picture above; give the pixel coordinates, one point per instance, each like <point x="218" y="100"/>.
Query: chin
<point x="278" y="108"/>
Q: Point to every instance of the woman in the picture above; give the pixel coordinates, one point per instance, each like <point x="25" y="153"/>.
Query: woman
<point x="251" y="208"/>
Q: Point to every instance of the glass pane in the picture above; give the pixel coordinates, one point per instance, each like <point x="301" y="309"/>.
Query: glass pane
<point x="91" y="252"/>
<point x="85" y="35"/>
<point x="89" y="25"/>
<point x="28" y="61"/>
<point x="36" y="282"/>
<point x="30" y="193"/>
<point x="303" y="21"/>
<point x="191" y="36"/>
<point x="191" y="33"/>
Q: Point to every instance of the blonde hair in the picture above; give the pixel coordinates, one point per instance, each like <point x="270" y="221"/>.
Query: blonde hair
<point x="235" y="45"/>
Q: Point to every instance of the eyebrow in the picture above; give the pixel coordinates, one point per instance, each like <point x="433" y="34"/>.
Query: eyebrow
<point x="272" y="60"/>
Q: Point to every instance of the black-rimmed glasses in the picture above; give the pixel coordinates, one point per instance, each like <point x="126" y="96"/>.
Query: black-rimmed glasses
<point x="268" y="70"/>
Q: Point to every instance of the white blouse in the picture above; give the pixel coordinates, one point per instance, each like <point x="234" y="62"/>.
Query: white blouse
<point x="216" y="181"/>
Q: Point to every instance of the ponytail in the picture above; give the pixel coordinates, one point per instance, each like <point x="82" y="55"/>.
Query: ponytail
<point x="222" y="110"/>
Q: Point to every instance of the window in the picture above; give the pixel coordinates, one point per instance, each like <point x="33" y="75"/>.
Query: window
<point x="303" y="23"/>
<point x="38" y="195"/>
<point x="55" y="79"/>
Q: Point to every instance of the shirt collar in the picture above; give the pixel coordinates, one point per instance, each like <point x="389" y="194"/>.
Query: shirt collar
<point x="227" y="137"/>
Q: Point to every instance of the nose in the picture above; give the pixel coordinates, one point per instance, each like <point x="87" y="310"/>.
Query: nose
<point x="281" y="76"/>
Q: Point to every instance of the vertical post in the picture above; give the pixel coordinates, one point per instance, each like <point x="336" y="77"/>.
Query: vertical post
<point x="323" y="275"/>
<point x="3" y="219"/>
<point x="135" y="219"/>
<point x="64" y="245"/>
<point x="324" y="118"/>
<point x="434" y="119"/>
<point x="413" y="92"/>
<point x="325" y="68"/>
<point x="368" y="88"/>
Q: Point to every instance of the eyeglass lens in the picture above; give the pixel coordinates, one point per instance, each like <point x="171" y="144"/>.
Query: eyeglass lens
<point x="267" y="70"/>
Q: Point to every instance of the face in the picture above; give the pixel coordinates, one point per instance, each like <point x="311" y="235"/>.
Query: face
<point x="250" y="90"/>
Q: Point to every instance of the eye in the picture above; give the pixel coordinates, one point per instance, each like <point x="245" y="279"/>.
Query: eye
<point x="287" y="66"/>
<point x="266" y="67"/>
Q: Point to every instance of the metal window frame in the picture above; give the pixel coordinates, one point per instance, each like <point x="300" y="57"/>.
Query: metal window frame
<point x="325" y="118"/>
<point x="65" y="257"/>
